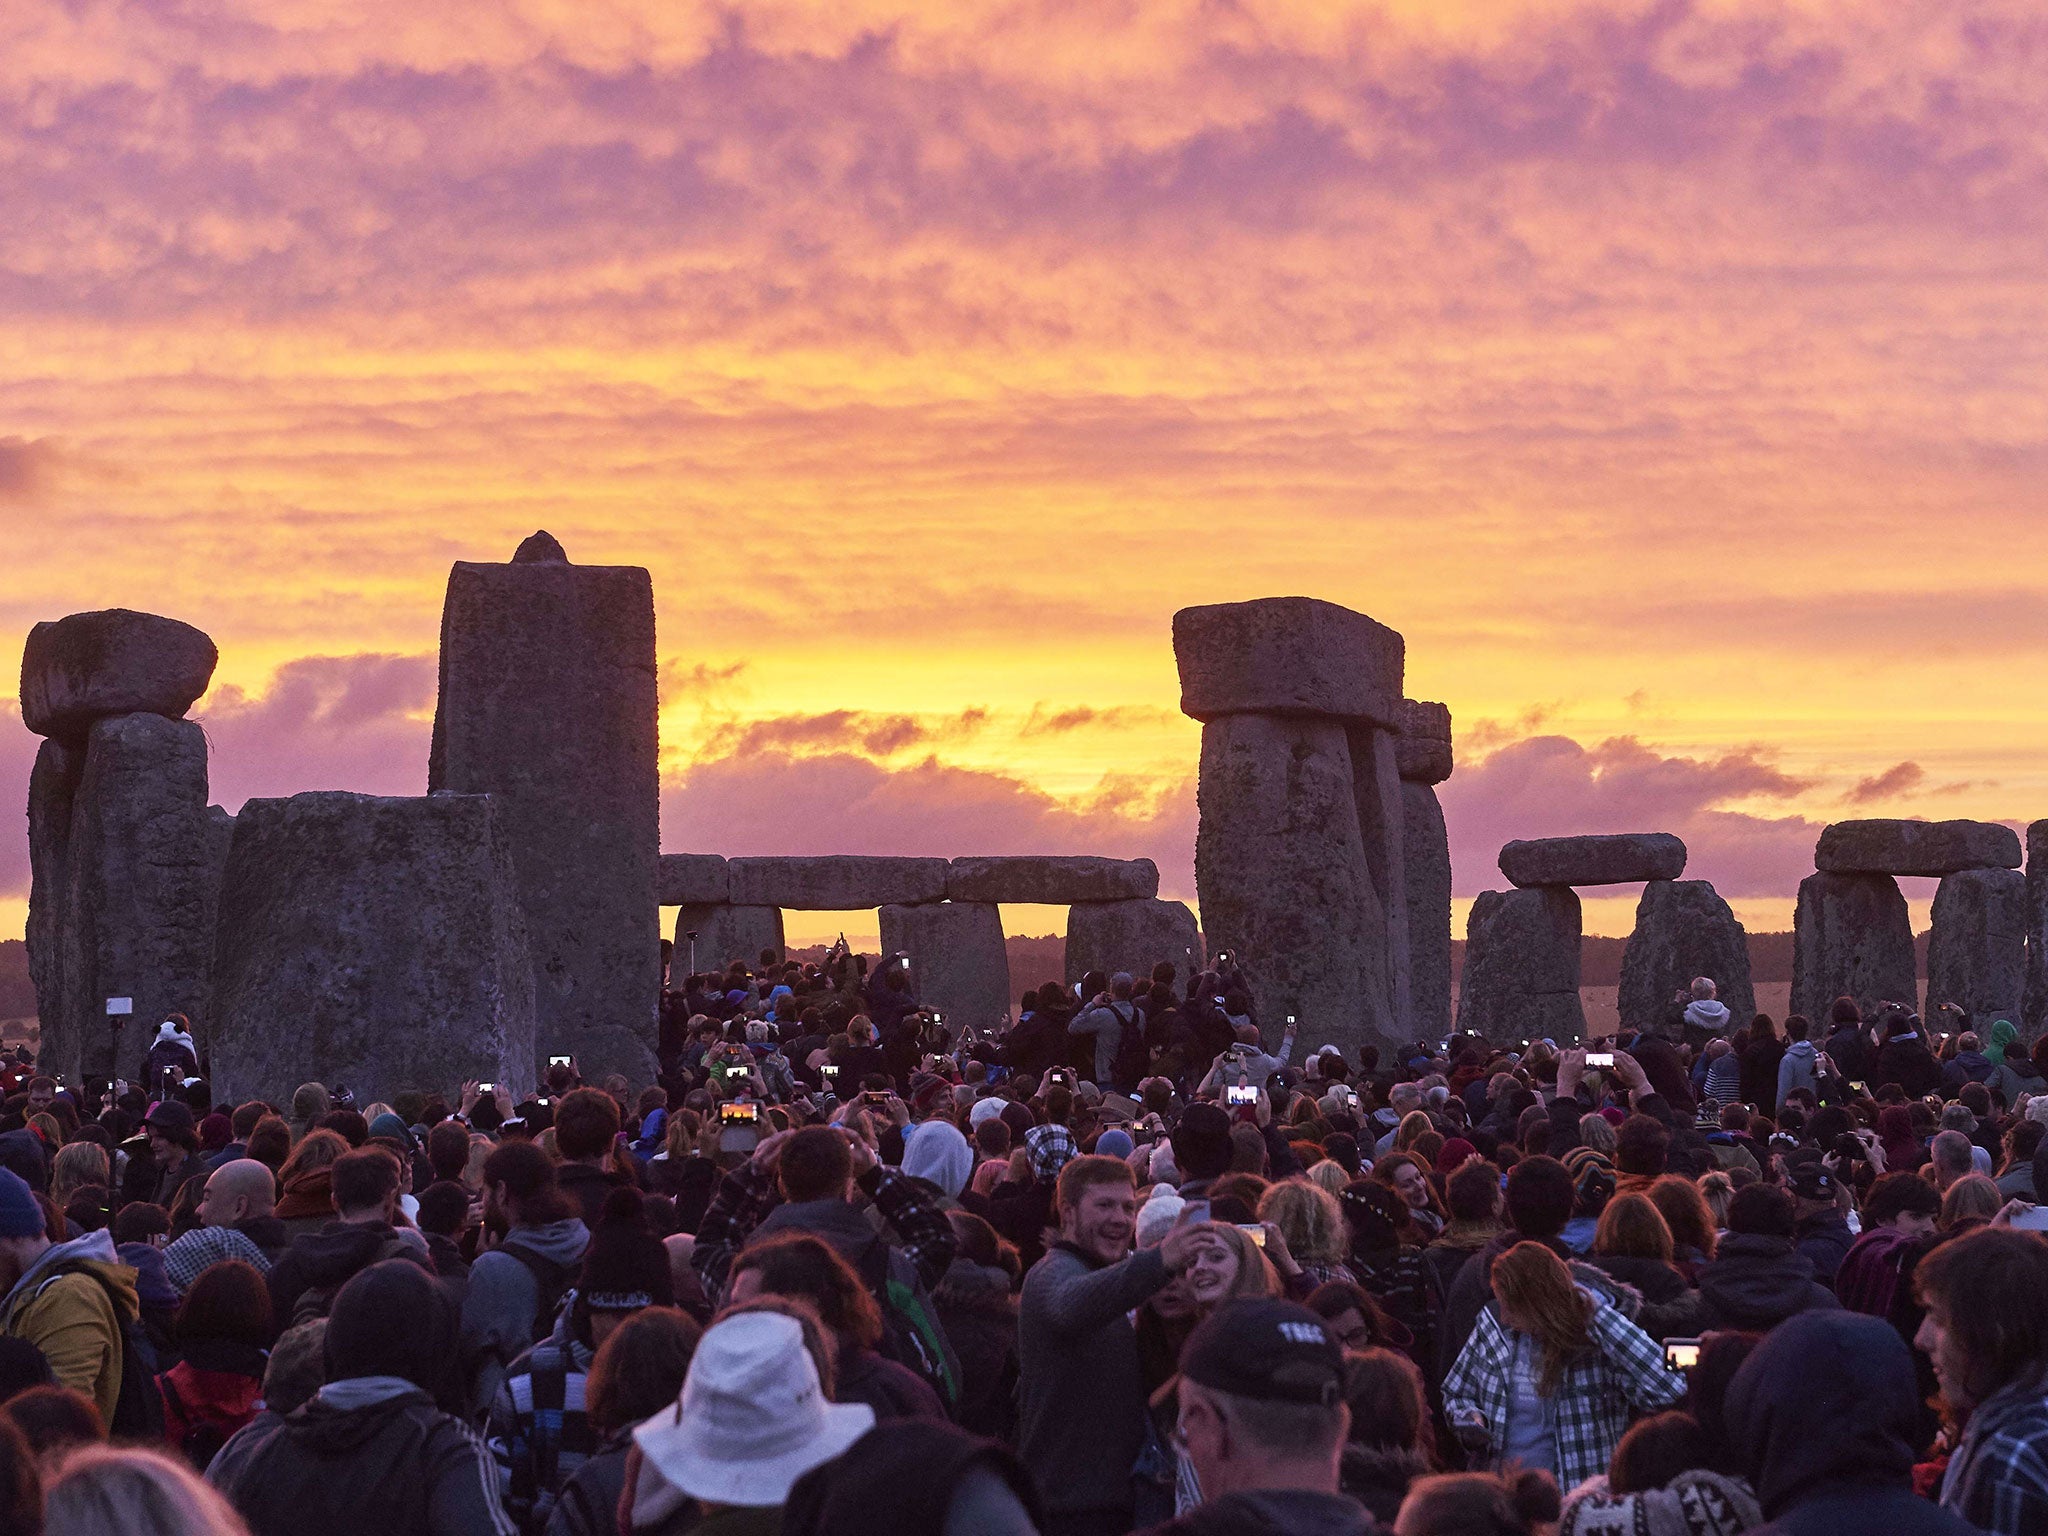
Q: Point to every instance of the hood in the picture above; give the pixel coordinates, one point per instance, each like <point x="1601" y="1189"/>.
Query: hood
<point x="937" y="1153"/>
<point x="1824" y="1399"/>
<point x="973" y="1287"/>
<point x="834" y="1220"/>
<point x="559" y="1242"/>
<point x="95" y="1251"/>
<point x="1757" y="1282"/>
<point x="168" y="1031"/>
<point x="1801" y="1051"/>
<point x="346" y="1415"/>
<point x="2002" y="1035"/>
<point x="2022" y="1067"/>
<point x="338" y="1250"/>
<point x="1707" y="1014"/>
<point x="153" y="1287"/>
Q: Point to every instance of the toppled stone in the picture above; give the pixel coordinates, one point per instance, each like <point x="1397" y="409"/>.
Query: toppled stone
<point x="1977" y="952"/>
<point x="835" y="882"/>
<point x="725" y="933"/>
<point x="1051" y="880"/>
<point x="1851" y="937"/>
<point x="1879" y="847"/>
<point x="958" y="962"/>
<point x="694" y="879"/>
<point x="1287" y="656"/>
<point x="1521" y="978"/>
<point x="1285" y="886"/>
<point x="1683" y="930"/>
<point x="1423" y="753"/>
<point x="1617" y="859"/>
<point x="547" y="703"/>
<point x="91" y="666"/>
<point x="1426" y="871"/>
<point x="1133" y="936"/>
<point x="374" y="941"/>
<point x="540" y="548"/>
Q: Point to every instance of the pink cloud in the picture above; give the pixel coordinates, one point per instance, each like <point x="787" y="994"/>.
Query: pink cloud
<point x="18" y="748"/>
<point x="325" y="722"/>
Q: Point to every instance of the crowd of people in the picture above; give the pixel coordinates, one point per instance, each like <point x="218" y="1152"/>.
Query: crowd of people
<point x="1134" y="1261"/>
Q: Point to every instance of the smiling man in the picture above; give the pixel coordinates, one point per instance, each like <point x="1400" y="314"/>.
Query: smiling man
<point x="1081" y="1393"/>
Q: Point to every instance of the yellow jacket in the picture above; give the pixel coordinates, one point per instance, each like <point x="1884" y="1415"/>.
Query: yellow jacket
<point x="72" y="1304"/>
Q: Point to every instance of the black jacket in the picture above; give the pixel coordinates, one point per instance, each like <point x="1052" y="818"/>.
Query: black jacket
<point x="357" y="1459"/>
<point x="327" y="1258"/>
<point x="980" y="1317"/>
<point x="1756" y="1282"/>
<point x="588" y="1187"/>
<point x="1907" y="1063"/>
<point x="1823" y="1241"/>
<point x="1273" y="1512"/>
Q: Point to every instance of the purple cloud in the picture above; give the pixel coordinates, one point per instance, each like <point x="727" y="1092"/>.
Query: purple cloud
<point x="325" y="722"/>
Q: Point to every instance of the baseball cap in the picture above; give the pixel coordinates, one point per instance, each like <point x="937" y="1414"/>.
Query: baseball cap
<point x="1810" y="1179"/>
<point x="1269" y="1350"/>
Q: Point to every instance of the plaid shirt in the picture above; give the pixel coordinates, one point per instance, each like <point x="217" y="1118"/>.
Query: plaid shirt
<point x="203" y="1247"/>
<point x="538" y="1432"/>
<point x="746" y="1196"/>
<point x="1595" y="1398"/>
<point x="1998" y="1478"/>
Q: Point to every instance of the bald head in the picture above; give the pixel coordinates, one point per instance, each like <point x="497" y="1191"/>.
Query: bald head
<point x="244" y="1190"/>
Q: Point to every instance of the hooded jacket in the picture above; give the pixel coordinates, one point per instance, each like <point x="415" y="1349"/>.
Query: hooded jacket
<point x="1904" y="1060"/>
<point x="325" y="1259"/>
<point x="1796" y="1070"/>
<point x="1706" y="1016"/>
<point x="980" y="1318"/>
<point x="1756" y="1282"/>
<point x="1966" y="1067"/>
<point x="1820" y="1413"/>
<point x="72" y="1303"/>
<point x="500" y="1309"/>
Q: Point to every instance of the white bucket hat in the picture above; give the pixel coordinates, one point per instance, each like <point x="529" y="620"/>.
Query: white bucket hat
<point x="752" y="1418"/>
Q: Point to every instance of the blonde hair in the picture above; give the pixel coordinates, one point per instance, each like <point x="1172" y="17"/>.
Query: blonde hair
<point x="1256" y="1275"/>
<point x="75" y="1166"/>
<point x="1717" y="1189"/>
<point x="1971" y="1195"/>
<point x="1414" y="1125"/>
<point x="1597" y="1131"/>
<point x="1331" y="1175"/>
<point x="126" y="1491"/>
<point x="1309" y="1217"/>
<point x="1532" y="1283"/>
<point x="1632" y="1227"/>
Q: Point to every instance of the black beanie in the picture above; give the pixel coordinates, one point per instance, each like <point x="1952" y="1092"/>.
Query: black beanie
<point x="392" y="1319"/>
<point x="626" y="1267"/>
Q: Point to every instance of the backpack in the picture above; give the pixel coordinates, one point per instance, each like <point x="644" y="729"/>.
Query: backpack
<point x="551" y="1279"/>
<point x="203" y="1438"/>
<point x="138" y="1411"/>
<point x="911" y="1332"/>
<point x="1133" y="1060"/>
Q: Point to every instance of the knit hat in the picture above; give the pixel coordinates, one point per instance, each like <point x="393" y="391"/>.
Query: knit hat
<point x="388" y="1124"/>
<point x="1158" y="1214"/>
<point x="1592" y="1174"/>
<point x="1454" y="1155"/>
<point x="625" y="1268"/>
<point x="20" y="1215"/>
<point x="392" y="1319"/>
<point x="216" y="1131"/>
<point x="1114" y="1144"/>
<point x="984" y="1110"/>
<point x="926" y="1093"/>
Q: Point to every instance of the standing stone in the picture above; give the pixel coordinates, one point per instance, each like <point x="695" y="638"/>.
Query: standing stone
<point x="958" y="962"/>
<point x="1851" y="937"/>
<point x="1134" y="936"/>
<point x="1382" y="827"/>
<point x="548" y="704"/>
<point x="92" y="666"/>
<point x="1521" y="979"/>
<point x="1683" y="930"/>
<point x="1285" y="885"/>
<point x="1977" y="953"/>
<point x="135" y="904"/>
<point x="725" y="933"/>
<point x="373" y="941"/>
<point x="1426" y="871"/>
<point x="2035" y="1005"/>
<point x="52" y="786"/>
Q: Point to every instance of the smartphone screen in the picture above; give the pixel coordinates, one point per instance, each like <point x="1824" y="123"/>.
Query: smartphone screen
<point x="558" y="1061"/>
<point x="1681" y="1354"/>
<point x="1244" y="1095"/>
<point x="743" y="1113"/>
<point x="1254" y="1231"/>
<point x="1600" y="1058"/>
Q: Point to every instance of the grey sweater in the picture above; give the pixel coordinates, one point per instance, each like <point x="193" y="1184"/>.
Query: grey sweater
<point x="1081" y="1394"/>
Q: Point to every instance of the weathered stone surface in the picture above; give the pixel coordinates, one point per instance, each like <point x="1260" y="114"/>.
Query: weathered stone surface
<point x="1683" y="930"/>
<point x="1617" y="859"/>
<point x="1424" y="750"/>
<point x="220" y="841"/>
<point x="52" y="784"/>
<point x="1915" y="847"/>
<point x="2035" y="1005"/>
<point x="725" y="933"/>
<point x="835" y="882"/>
<point x="1521" y="978"/>
<point x="1851" y="937"/>
<point x="1977" y="952"/>
<point x="1287" y="656"/>
<point x="1284" y="882"/>
<point x="1134" y="936"/>
<point x="373" y="941"/>
<point x="90" y="666"/>
<point x="694" y="879"/>
<point x="1051" y="880"/>
<point x="548" y="704"/>
<point x="1382" y="822"/>
<point x="540" y="548"/>
<point x="1426" y="871"/>
<point x="958" y="963"/>
<point x="132" y="920"/>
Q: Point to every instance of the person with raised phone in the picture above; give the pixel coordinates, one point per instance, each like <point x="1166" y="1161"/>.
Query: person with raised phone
<point x="1081" y="1393"/>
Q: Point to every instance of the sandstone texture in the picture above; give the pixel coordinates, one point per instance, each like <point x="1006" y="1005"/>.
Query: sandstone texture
<point x="1616" y="859"/>
<point x="834" y="882"/>
<point x="1133" y="936"/>
<point x="1382" y="823"/>
<point x="2035" y="1004"/>
<point x="372" y="941"/>
<point x="1851" y="938"/>
<point x="547" y="703"/>
<point x="1051" y="880"/>
<point x="1424" y="750"/>
<point x="693" y="879"/>
<point x="1683" y="930"/>
<point x="1521" y="978"/>
<point x="1426" y="871"/>
<point x="1287" y="656"/>
<point x="1977" y="951"/>
<point x="91" y="666"/>
<point x="1285" y="885"/>
<point x="52" y="785"/>
<point x="725" y="933"/>
<point x="1915" y="847"/>
<point x="958" y="963"/>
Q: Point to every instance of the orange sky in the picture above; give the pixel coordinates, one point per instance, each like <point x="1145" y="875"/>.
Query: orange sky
<point x="1671" y="375"/>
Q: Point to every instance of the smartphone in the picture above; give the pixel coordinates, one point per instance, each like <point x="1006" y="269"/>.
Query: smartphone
<point x="1254" y="1231"/>
<point x="1599" y="1058"/>
<point x="1862" y="1089"/>
<point x="486" y="1087"/>
<point x="732" y="1072"/>
<point x="1681" y="1354"/>
<point x="740" y="1114"/>
<point x="1195" y="1210"/>
<point x="938" y="1017"/>
<point x="558" y="1061"/>
<point x="1290" y="1018"/>
<point x="1236" y="1095"/>
<point x="875" y="1099"/>
<point x="828" y="1070"/>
